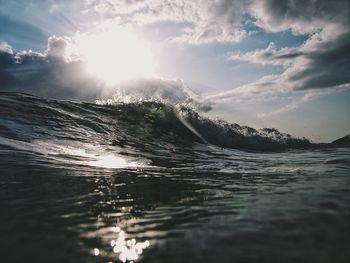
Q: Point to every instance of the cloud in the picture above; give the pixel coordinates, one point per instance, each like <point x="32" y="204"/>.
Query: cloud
<point x="57" y="47"/>
<point x="47" y="74"/>
<point x="5" y="48"/>
<point x="203" y="21"/>
<point x="318" y="63"/>
<point x="300" y="16"/>
<point x="57" y="73"/>
<point x="270" y="55"/>
<point x="325" y="63"/>
<point x="263" y="88"/>
<point x="321" y="62"/>
<point x="296" y="103"/>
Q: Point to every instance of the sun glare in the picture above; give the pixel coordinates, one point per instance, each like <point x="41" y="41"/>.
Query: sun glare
<point x="115" y="55"/>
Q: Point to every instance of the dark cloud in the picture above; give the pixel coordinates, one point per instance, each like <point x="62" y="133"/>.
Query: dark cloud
<point x="6" y="55"/>
<point x="322" y="61"/>
<point x="46" y="74"/>
<point x="318" y="63"/>
<point x="302" y="16"/>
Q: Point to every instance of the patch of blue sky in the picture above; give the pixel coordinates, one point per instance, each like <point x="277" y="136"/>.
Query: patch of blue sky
<point x="21" y="35"/>
<point x="28" y="24"/>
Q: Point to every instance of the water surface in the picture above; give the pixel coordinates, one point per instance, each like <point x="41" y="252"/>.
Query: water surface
<point x="93" y="183"/>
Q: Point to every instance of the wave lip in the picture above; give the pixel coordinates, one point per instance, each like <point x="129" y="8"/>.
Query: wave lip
<point x="225" y="134"/>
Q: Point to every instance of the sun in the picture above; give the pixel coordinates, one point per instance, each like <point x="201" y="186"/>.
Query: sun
<point x="115" y="55"/>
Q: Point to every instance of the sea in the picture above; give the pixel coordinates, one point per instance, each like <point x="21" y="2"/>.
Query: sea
<point x="147" y="181"/>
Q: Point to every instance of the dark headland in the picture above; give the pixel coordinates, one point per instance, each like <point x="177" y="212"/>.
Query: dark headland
<point x="343" y="141"/>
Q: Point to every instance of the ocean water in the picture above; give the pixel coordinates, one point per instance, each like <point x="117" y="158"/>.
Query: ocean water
<point x="150" y="182"/>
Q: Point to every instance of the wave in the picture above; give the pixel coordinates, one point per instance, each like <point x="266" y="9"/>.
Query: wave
<point x="140" y="125"/>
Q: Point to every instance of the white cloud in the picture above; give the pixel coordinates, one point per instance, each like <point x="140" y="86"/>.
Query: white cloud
<point x="270" y="55"/>
<point x="263" y="88"/>
<point x="57" y="48"/>
<point x="296" y="103"/>
<point x="6" y="48"/>
<point x="204" y="20"/>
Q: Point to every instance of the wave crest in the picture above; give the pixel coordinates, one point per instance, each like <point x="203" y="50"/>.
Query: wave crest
<point x="151" y="123"/>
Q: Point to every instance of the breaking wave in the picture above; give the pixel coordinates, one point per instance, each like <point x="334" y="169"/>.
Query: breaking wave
<point x="132" y="127"/>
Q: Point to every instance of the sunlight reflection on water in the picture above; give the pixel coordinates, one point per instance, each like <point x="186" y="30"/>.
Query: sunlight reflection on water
<point x="76" y="153"/>
<point x="111" y="161"/>
<point x="99" y="158"/>
<point x="126" y="249"/>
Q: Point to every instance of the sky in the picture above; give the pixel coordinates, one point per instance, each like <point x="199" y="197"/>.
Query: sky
<point x="263" y="63"/>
